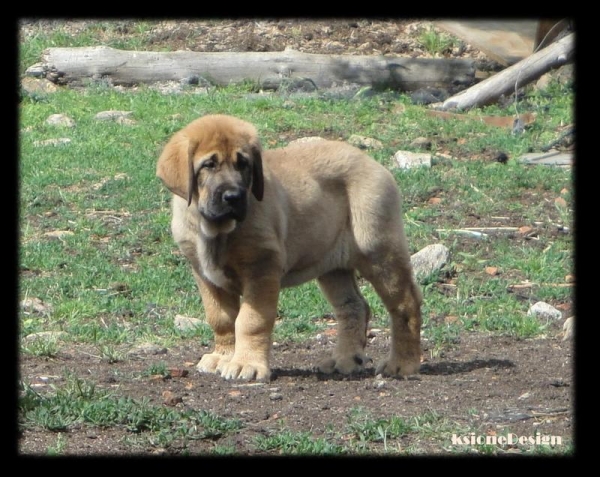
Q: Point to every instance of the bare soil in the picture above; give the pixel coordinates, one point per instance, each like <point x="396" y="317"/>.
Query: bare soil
<point x="486" y="383"/>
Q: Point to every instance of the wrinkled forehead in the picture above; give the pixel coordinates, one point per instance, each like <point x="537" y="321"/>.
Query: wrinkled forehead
<point x="224" y="137"/>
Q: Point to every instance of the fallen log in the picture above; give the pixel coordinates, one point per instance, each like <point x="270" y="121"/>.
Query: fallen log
<point x="519" y="74"/>
<point x="269" y="69"/>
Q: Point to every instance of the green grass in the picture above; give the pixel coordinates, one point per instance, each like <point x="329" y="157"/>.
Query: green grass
<point x="435" y="42"/>
<point x="80" y="402"/>
<point x="298" y="443"/>
<point x="116" y="280"/>
<point x="101" y="187"/>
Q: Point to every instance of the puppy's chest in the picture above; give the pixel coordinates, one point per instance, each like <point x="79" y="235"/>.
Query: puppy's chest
<point x="213" y="255"/>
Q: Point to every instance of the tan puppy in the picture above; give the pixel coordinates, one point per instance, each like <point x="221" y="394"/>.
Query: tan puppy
<point x="251" y="222"/>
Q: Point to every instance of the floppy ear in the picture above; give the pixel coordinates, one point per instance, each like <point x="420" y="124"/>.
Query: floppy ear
<point x="192" y="178"/>
<point x="258" y="182"/>
<point x="172" y="166"/>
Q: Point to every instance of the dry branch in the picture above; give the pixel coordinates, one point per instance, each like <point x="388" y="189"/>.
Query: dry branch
<point x="270" y="69"/>
<point x="521" y="73"/>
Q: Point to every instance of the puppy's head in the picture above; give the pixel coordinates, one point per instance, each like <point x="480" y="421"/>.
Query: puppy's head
<point x="214" y="163"/>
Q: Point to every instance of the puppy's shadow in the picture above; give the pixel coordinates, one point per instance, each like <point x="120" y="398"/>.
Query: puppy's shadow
<point x="461" y="367"/>
<point x="441" y="368"/>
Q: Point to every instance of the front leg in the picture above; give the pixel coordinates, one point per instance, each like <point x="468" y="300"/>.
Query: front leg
<point x="221" y="310"/>
<point x="253" y="328"/>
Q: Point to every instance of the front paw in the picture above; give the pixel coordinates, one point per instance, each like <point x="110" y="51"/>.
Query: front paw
<point x="237" y="369"/>
<point x="394" y="366"/>
<point x="210" y="363"/>
<point x="347" y="364"/>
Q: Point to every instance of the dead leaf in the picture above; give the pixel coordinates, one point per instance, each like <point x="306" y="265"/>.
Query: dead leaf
<point x="178" y="372"/>
<point x="434" y="200"/>
<point x="560" y="202"/>
<point x="235" y="393"/>
<point x="171" y="399"/>
<point x="491" y="270"/>
<point x="450" y="319"/>
<point x="569" y="278"/>
<point x="59" y="234"/>
<point x="564" y="191"/>
<point x="525" y="229"/>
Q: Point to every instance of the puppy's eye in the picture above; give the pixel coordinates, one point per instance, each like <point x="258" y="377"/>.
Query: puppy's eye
<point x="209" y="164"/>
<point x="241" y="162"/>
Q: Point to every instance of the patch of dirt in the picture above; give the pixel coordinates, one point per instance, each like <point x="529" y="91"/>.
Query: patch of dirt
<point x="487" y="384"/>
<point x="331" y="36"/>
<point x="484" y="383"/>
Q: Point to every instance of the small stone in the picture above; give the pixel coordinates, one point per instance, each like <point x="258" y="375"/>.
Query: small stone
<point x="52" y="142"/>
<point x="112" y="115"/>
<point x="59" y="234"/>
<point x="363" y="142"/>
<point x="186" y="323"/>
<point x="45" y="335"/>
<point x="421" y="143"/>
<point x="429" y="260"/>
<point x="410" y="160"/>
<point x="148" y="349"/>
<point x="568" y="328"/>
<point x="38" y="86"/>
<point x="544" y="311"/>
<point x="303" y="140"/>
<point x="35" y="305"/>
<point x="60" y="120"/>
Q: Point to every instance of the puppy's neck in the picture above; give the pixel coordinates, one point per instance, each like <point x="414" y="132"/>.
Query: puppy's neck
<point x="213" y="256"/>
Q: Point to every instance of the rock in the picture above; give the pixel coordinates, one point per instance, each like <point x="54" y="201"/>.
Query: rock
<point x="112" y="115"/>
<point x="60" y="120"/>
<point x="410" y="160"/>
<point x="568" y="328"/>
<point x="52" y="142"/>
<point x="147" y="349"/>
<point x="59" y="234"/>
<point x="35" y="305"/>
<point x="185" y="323"/>
<point x="543" y="310"/>
<point x="38" y="86"/>
<point x="45" y="335"/>
<point x="421" y="143"/>
<point x="363" y="142"/>
<point x="306" y="139"/>
<point x="429" y="260"/>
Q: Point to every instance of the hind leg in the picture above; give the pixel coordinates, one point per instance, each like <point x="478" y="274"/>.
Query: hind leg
<point x="352" y="314"/>
<point x="390" y="273"/>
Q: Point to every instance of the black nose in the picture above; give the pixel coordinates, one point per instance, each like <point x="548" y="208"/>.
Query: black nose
<point x="233" y="196"/>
